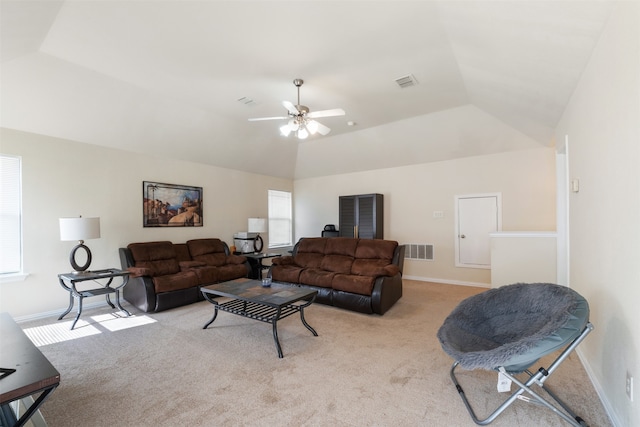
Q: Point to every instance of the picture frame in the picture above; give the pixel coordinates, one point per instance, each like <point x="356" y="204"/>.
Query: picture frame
<point x="171" y="205"/>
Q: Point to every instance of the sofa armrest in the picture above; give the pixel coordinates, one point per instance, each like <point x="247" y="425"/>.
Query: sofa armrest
<point x="386" y="292"/>
<point x="236" y="259"/>
<point x="398" y="257"/>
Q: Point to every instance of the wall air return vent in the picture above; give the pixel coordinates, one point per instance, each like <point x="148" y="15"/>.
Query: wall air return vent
<point x="406" y="81"/>
<point x="419" y="251"/>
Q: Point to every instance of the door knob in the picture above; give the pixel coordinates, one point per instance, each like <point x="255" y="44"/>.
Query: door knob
<point x="462" y="236"/>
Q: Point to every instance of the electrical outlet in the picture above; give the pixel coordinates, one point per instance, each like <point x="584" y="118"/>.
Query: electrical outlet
<point x="438" y="214"/>
<point x="629" y="386"/>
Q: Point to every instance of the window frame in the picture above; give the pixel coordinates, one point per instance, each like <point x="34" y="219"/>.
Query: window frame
<point x="14" y="196"/>
<point x="273" y="195"/>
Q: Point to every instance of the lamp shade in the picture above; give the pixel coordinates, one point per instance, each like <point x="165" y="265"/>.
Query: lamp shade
<point x="79" y="228"/>
<point x="257" y="225"/>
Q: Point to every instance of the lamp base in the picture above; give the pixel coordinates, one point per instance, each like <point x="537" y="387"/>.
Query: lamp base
<point x="256" y="246"/>
<point x="72" y="258"/>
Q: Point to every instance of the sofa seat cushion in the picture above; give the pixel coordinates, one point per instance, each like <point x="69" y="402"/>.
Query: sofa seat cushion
<point x="317" y="277"/>
<point x="231" y="271"/>
<point x="286" y="273"/>
<point x="206" y="274"/>
<point x="362" y="285"/>
<point x="174" y="282"/>
<point x="158" y="257"/>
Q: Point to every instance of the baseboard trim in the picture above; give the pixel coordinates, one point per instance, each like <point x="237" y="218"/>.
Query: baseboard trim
<point x="447" y="281"/>
<point x="599" y="390"/>
<point x="56" y="313"/>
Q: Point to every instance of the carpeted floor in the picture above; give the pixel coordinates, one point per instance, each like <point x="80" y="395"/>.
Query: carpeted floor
<point x="362" y="370"/>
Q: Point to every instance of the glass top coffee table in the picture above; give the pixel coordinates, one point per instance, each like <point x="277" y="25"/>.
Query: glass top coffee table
<point x="248" y="298"/>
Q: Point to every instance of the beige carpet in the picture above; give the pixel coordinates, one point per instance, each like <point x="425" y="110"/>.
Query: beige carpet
<point x="362" y="370"/>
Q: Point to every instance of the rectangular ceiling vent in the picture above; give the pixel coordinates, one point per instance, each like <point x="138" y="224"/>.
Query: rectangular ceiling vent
<point x="406" y="81"/>
<point x="419" y="251"/>
<point x="246" y="101"/>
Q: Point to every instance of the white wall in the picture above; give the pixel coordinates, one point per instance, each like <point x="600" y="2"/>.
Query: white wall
<point x="525" y="178"/>
<point x="602" y="122"/>
<point x="63" y="178"/>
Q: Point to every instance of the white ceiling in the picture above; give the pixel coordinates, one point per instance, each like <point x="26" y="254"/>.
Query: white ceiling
<point x="165" y="77"/>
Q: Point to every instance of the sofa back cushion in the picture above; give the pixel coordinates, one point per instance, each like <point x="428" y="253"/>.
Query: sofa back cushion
<point x="374" y="258"/>
<point x="339" y="253"/>
<point x="310" y="252"/>
<point x="182" y="252"/>
<point x="341" y="246"/>
<point x="159" y="258"/>
<point x="376" y="249"/>
<point x="210" y="251"/>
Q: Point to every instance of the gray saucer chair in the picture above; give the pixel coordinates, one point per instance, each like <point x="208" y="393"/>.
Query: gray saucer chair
<point x="508" y="329"/>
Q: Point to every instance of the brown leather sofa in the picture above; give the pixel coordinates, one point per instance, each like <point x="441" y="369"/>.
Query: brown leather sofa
<point x="363" y="275"/>
<point x="166" y="275"/>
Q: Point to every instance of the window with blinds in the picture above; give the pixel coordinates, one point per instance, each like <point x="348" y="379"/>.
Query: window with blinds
<point x="280" y="219"/>
<point x="10" y="215"/>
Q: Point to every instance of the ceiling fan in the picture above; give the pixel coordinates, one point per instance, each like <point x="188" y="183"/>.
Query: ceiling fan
<point x="301" y="121"/>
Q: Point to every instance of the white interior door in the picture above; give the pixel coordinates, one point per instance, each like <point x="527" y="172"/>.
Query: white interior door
<point x="476" y="217"/>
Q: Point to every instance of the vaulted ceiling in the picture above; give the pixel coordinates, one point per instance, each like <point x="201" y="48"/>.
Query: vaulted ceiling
<point x="181" y="78"/>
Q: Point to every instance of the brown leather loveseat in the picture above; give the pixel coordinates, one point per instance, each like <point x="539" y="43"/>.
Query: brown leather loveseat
<point x="166" y="275"/>
<point x="363" y="275"/>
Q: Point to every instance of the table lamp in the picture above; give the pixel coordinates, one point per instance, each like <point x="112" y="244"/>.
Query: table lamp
<point x="80" y="229"/>
<point x="257" y="225"/>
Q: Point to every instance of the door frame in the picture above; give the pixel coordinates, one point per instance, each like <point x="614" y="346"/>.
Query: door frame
<point x="456" y="236"/>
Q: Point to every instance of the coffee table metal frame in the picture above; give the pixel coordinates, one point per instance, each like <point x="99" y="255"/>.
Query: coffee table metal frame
<point x="249" y="299"/>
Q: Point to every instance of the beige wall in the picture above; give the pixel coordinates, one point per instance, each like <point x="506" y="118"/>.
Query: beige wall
<point x="525" y="178"/>
<point x="63" y="178"/>
<point x="602" y="122"/>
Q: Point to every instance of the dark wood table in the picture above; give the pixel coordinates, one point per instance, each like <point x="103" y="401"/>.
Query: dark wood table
<point x="248" y="298"/>
<point x="25" y="372"/>
<point x="255" y="261"/>
<point x="103" y="288"/>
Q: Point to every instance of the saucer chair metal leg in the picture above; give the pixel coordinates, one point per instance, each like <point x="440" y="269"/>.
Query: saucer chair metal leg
<point x="538" y="378"/>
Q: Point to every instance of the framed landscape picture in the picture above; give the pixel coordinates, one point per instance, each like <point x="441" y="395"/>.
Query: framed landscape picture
<point x="171" y="205"/>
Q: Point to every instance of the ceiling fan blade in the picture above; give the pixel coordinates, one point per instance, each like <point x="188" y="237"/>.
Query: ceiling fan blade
<point x="290" y="108"/>
<point x="320" y="128"/>
<point x="326" y="113"/>
<point x="267" y="118"/>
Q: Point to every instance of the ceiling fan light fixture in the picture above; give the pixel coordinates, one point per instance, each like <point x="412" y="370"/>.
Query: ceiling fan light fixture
<point x="302" y="133"/>
<point x="312" y="126"/>
<point x="285" y="130"/>
<point x="301" y="121"/>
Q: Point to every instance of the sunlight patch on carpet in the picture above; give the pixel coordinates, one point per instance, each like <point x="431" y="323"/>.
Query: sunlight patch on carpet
<point x="113" y="323"/>
<point x="59" y="331"/>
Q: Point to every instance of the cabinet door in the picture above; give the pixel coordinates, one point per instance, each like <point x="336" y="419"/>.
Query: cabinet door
<point x="361" y="216"/>
<point x="347" y="208"/>
<point x="369" y="216"/>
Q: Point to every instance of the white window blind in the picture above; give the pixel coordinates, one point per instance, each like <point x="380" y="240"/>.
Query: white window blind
<point x="280" y="219"/>
<point x="10" y="215"/>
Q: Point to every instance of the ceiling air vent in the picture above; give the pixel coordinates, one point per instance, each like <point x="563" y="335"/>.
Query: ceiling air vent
<point x="246" y="101"/>
<point x="406" y="81"/>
